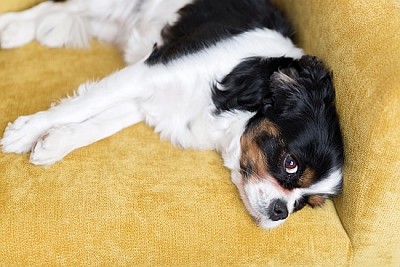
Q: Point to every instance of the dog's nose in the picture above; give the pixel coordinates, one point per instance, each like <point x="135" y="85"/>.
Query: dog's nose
<point x="277" y="210"/>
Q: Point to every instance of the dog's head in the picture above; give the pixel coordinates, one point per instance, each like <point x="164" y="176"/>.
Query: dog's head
<point x="291" y="149"/>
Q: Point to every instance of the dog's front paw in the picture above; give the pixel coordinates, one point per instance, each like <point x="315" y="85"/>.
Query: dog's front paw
<point x="16" y="33"/>
<point x="20" y="136"/>
<point x="52" y="146"/>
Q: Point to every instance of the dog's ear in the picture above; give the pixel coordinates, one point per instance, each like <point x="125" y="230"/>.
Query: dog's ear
<point x="304" y="84"/>
<point x="318" y="77"/>
<point x="247" y="86"/>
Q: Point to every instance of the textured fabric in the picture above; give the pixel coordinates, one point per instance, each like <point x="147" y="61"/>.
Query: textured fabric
<point x="360" y="41"/>
<point x="135" y="200"/>
<point x="132" y="199"/>
<point x="14" y="5"/>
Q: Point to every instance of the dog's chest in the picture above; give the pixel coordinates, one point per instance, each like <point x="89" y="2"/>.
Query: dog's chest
<point x="181" y="116"/>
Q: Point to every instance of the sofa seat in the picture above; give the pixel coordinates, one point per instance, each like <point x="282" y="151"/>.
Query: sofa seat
<point x="135" y="200"/>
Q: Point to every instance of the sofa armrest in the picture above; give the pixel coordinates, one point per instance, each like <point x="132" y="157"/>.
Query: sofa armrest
<point x="360" y="41"/>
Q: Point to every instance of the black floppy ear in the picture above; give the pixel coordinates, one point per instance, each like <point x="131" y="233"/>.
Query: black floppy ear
<point x="247" y="86"/>
<point x="305" y="83"/>
<point x="314" y="72"/>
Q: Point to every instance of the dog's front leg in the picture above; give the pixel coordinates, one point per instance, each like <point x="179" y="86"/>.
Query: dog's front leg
<point x="60" y="140"/>
<point x="90" y="100"/>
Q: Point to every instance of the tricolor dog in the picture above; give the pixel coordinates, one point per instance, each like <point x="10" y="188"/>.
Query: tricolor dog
<point x="205" y="74"/>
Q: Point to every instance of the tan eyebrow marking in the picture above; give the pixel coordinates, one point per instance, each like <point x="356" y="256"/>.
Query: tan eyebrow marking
<point x="307" y="178"/>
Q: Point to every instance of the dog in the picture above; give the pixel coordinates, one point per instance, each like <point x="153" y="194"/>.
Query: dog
<point x="221" y="75"/>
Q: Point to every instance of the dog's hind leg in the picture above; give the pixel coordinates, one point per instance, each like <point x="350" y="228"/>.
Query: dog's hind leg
<point x="58" y="141"/>
<point x="65" y="24"/>
<point x="52" y="24"/>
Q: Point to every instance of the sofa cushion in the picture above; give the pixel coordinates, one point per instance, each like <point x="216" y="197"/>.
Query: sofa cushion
<point x="132" y="199"/>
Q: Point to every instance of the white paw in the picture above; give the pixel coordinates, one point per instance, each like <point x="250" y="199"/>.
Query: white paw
<point x="16" y="33"/>
<point x="20" y="136"/>
<point x="52" y="146"/>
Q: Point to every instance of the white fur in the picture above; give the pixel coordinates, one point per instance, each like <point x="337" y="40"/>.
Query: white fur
<point x="327" y="185"/>
<point x="164" y="95"/>
<point x="174" y="98"/>
<point x="259" y="195"/>
<point x="132" y="25"/>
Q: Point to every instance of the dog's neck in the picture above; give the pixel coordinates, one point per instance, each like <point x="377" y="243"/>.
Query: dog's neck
<point x="227" y="139"/>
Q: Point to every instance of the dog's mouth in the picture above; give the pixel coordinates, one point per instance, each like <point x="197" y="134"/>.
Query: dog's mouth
<point x="266" y="212"/>
<point x="275" y="214"/>
<point x="268" y="224"/>
<point x="270" y="216"/>
<point x="267" y="219"/>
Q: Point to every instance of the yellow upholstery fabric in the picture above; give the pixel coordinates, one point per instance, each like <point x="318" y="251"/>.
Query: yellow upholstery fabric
<point x="360" y="41"/>
<point x="135" y="200"/>
<point x="15" y="5"/>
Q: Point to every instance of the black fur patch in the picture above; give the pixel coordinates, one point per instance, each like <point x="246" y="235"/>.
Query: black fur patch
<point x="297" y="96"/>
<point x="206" y="22"/>
<point x="247" y="86"/>
<point x="305" y="113"/>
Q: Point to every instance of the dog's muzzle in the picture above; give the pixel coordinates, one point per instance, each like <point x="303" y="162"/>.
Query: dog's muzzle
<point x="277" y="210"/>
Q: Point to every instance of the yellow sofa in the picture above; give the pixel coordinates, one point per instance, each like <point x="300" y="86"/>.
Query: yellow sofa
<point x="133" y="200"/>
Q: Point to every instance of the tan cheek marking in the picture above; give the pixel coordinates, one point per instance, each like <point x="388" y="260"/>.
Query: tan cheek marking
<point x="316" y="200"/>
<point x="307" y="178"/>
<point x="252" y="156"/>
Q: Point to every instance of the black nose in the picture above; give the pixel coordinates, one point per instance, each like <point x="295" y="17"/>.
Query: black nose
<point x="277" y="210"/>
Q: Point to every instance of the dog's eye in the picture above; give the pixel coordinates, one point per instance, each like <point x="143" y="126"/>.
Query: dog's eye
<point x="290" y="165"/>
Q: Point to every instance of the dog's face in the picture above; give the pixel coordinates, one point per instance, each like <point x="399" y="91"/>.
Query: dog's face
<point x="292" y="149"/>
<point x="282" y="173"/>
